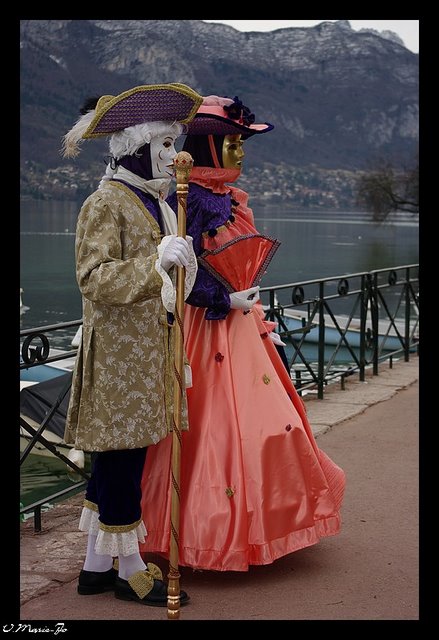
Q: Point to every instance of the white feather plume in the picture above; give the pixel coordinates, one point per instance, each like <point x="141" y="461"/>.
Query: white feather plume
<point x="216" y="101"/>
<point x="73" y="138"/>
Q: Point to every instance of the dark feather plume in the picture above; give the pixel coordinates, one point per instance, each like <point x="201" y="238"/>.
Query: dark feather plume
<point x="89" y="104"/>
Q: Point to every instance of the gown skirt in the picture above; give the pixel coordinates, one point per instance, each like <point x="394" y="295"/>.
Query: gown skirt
<point x="254" y="484"/>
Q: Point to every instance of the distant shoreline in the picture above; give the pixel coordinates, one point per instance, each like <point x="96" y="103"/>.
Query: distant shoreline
<point x="254" y="203"/>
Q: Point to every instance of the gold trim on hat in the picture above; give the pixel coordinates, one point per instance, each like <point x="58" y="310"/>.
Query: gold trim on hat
<point x="107" y="102"/>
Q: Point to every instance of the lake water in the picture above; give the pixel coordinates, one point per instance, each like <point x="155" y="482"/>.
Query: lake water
<point x="313" y="245"/>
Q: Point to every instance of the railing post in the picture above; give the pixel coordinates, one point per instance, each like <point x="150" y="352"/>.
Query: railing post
<point x="407" y="316"/>
<point x="374" y="313"/>
<point x="298" y="383"/>
<point x="364" y="297"/>
<point x="37" y="519"/>
<point x="271" y="312"/>
<point x="321" y="351"/>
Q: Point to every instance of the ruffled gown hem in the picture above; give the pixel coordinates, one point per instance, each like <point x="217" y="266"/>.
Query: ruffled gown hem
<point x="255" y="554"/>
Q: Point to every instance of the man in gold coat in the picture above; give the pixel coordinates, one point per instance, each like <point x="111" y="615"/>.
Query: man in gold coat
<point x="121" y="400"/>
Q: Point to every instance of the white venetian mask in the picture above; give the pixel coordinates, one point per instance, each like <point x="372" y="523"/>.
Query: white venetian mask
<point x="163" y="152"/>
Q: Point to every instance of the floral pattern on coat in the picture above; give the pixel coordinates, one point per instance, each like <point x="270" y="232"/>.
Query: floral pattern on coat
<point x="122" y="387"/>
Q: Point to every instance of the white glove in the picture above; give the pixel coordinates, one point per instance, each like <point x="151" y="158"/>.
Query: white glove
<point x="176" y="252"/>
<point x="244" y="299"/>
<point x="276" y="339"/>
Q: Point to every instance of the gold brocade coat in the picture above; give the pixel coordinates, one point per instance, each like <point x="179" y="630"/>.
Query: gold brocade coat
<point x="122" y="388"/>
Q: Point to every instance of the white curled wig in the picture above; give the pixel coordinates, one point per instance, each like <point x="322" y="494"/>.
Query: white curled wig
<point x="129" y="140"/>
<point x="122" y="143"/>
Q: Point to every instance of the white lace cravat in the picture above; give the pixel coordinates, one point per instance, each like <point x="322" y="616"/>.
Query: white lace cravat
<point x="158" y="188"/>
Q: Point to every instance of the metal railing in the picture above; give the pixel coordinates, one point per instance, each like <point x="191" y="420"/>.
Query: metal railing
<point x="372" y="309"/>
<point x="377" y="310"/>
<point x="35" y="351"/>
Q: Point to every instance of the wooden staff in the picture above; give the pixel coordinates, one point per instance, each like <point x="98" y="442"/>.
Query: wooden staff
<point x="183" y="165"/>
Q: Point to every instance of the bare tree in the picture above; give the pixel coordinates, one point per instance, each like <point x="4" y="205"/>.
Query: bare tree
<point x="383" y="190"/>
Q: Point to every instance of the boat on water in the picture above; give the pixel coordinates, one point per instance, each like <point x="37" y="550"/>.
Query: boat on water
<point x="47" y="370"/>
<point x="388" y="338"/>
<point x="36" y="400"/>
<point x="23" y="307"/>
<point x="40" y="388"/>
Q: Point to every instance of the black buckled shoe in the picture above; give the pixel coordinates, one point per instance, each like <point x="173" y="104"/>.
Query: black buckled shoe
<point x="146" y="587"/>
<point x="91" y="582"/>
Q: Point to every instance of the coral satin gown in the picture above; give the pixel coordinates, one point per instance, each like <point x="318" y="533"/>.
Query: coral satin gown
<point x="254" y="484"/>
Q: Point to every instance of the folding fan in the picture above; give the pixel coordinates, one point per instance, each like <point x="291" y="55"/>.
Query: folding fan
<point x="240" y="263"/>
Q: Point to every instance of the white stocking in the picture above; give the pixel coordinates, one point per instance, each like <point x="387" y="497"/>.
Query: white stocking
<point x="94" y="561"/>
<point x="129" y="565"/>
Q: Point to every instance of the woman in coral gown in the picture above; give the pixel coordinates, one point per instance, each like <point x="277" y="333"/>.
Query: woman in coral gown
<point x="254" y="484"/>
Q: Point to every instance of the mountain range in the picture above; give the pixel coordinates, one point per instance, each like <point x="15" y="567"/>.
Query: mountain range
<point x="338" y="98"/>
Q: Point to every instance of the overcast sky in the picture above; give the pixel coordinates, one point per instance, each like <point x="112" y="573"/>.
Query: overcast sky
<point x="408" y="30"/>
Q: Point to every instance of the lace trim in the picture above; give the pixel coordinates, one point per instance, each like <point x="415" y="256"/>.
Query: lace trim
<point x="89" y="520"/>
<point x="168" y="288"/>
<point x="120" y="544"/>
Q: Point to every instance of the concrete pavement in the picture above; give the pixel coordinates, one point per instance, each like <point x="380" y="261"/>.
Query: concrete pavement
<point x="368" y="572"/>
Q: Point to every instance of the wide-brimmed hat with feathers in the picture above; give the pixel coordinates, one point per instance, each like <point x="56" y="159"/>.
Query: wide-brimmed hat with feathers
<point x="173" y="103"/>
<point x="224" y="116"/>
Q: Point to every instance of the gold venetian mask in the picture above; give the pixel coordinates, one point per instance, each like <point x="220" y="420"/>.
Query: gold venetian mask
<point x="233" y="152"/>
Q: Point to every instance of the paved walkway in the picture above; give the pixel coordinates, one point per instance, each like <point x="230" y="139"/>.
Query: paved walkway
<point x="368" y="572"/>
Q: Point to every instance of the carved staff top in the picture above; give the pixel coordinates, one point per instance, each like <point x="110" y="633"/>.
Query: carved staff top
<point x="183" y="164"/>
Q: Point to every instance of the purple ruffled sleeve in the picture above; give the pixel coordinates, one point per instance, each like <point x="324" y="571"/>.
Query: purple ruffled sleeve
<point x="205" y="212"/>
